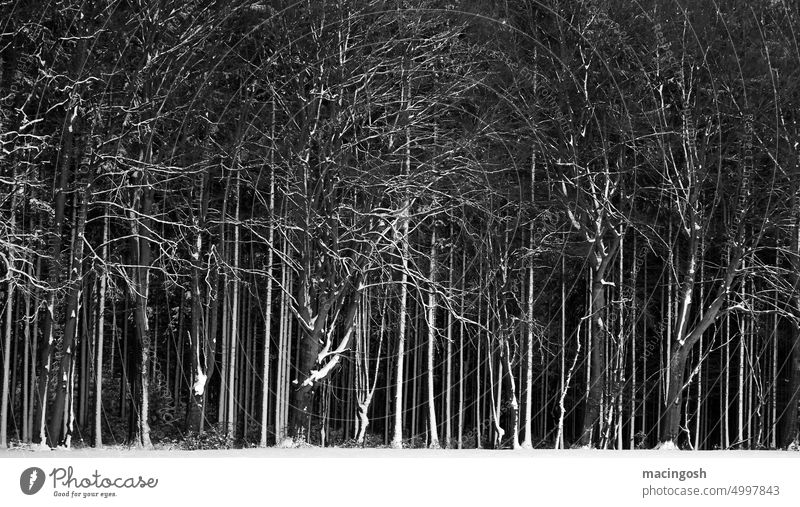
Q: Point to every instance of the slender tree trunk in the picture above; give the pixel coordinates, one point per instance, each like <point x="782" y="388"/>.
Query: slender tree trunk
<point x="461" y="374"/>
<point x="366" y="394"/>
<point x="98" y="384"/>
<point x="225" y="320"/>
<point x="740" y="441"/>
<point x="231" y="368"/>
<point x="268" y="305"/>
<point x="27" y="387"/>
<point x="84" y="342"/>
<point x="281" y="422"/>
<point x="634" y="321"/>
<point x="513" y="405"/>
<point x="434" y="432"/>
<point x="528" y="441"/>
<point x="6" y="362"/>
<point x="697" y="441"/>
<point x="564" y="378"/>
<point x="197" y="336"/>
<point x="415" y="373"/>
<point x="478" y="363"/>
<point x="727" y="395"/>
<point x="448" y="403"/>
<point x="397" y="437"/>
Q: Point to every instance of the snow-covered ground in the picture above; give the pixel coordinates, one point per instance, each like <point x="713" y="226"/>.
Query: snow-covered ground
<point x="338" y="452"/>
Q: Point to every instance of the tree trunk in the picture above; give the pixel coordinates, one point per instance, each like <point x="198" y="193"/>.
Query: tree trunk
<point x="448" y="382"/>
<point x="513" y="406"/>
<point x="6" y="362"/>
<point x="681" y="348"/>
<point x="597" y="358"/>
<point x="434" y="432"/>
<point x="98" y="384"/>
<point x="231" y="368"/>
<point x="139" y="292"/>
<point x="57" y="421"/>
<point x="198" y="337"/>
<point x="461" y="375"/>
<point x="268" y="305"/>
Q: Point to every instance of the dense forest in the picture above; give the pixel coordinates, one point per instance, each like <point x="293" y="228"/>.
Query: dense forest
<point x="429" y="223"/>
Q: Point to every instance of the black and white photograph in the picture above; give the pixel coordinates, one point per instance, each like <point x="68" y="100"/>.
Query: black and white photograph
<point x="359" y="252"/>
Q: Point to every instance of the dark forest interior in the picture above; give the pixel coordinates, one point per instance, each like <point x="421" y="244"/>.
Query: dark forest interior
<point x="424" y="223"/>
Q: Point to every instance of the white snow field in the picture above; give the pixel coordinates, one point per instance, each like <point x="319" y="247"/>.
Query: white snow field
<point x="344" y="452"/>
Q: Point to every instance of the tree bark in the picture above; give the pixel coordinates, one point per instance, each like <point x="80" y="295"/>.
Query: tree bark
<point x="98" y="383"/>
<point x="57" y="421"/>
<point x="597" y="353"/>
<point x="432" y="425"/>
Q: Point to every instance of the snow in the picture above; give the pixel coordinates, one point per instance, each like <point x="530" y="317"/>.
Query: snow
<point x="286" y="443"/>
<point x="199" y="383"/>
<point x="668" y="446"/>
<point x="341" y="452"/>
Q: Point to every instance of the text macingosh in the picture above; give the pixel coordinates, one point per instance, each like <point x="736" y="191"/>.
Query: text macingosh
<point x="681" y="475"/>
<point x="97" y="481"/>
